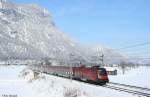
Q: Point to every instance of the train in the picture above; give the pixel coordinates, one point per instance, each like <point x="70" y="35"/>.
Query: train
<point x="93" y="74"/>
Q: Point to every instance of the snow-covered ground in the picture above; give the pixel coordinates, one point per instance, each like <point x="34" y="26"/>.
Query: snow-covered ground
<point x="18" y="80"/>
<point x="137" y="76"/>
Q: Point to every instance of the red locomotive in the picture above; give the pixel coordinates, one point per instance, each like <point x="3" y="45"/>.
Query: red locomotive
<point x="90" y="74"/>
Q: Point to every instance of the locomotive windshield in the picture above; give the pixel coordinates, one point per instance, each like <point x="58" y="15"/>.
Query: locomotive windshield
<point x="102" y="71"/>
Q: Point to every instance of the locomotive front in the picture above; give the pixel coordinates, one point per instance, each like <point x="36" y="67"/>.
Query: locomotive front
<point x="102" y="75"/>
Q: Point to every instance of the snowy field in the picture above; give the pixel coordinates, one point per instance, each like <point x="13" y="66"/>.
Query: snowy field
<point x="19" y="81"/>
<point x="137" y="76"/>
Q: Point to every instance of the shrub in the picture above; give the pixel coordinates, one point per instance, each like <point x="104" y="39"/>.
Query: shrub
<point x="71" y="92"/>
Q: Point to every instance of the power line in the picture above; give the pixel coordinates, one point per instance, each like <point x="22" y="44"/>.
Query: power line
<point x="133" y="46"/>
<point x="127" y="56"/>
<point x="137" y="53"/>
<point x="131" y="57"/>
<point x="138" y="49"/>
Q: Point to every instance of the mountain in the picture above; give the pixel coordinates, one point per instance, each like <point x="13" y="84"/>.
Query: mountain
<point x="109" y="56"/>
<point x="27" y="31"/>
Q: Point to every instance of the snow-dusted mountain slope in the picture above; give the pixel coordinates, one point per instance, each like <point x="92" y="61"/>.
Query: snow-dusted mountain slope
<point x="27" y="31"/>
<point x="109" y="55"/>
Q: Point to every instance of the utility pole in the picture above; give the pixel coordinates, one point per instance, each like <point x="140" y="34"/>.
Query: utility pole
<point x="71" y="64"/>
<point x="102" y="59"/>
<point x="1" y="4"/>
<point x="44" y="12"/>
<point x="100" y="56"/>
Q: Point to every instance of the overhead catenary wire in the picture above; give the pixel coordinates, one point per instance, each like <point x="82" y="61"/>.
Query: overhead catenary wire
<point x="133" y="55"/>
<point x="126" y="57"/>
<point x="138" y="53"/>
<point x="133" y="46"/>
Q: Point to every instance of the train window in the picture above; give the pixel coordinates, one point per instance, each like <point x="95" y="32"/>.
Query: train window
<point x="102" y="71"/>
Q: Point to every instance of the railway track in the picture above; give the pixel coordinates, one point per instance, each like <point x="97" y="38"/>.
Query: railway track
<point x="140" y="91"/>
<point x="131" y="86"/>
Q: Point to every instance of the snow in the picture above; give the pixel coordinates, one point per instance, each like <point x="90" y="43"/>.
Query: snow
<point x="137" y="76"/>
<point x="110" y="68"/>
<point x="10" y="84"/>
<point x="27" y="31"/>
<point x="18" y="80"/>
